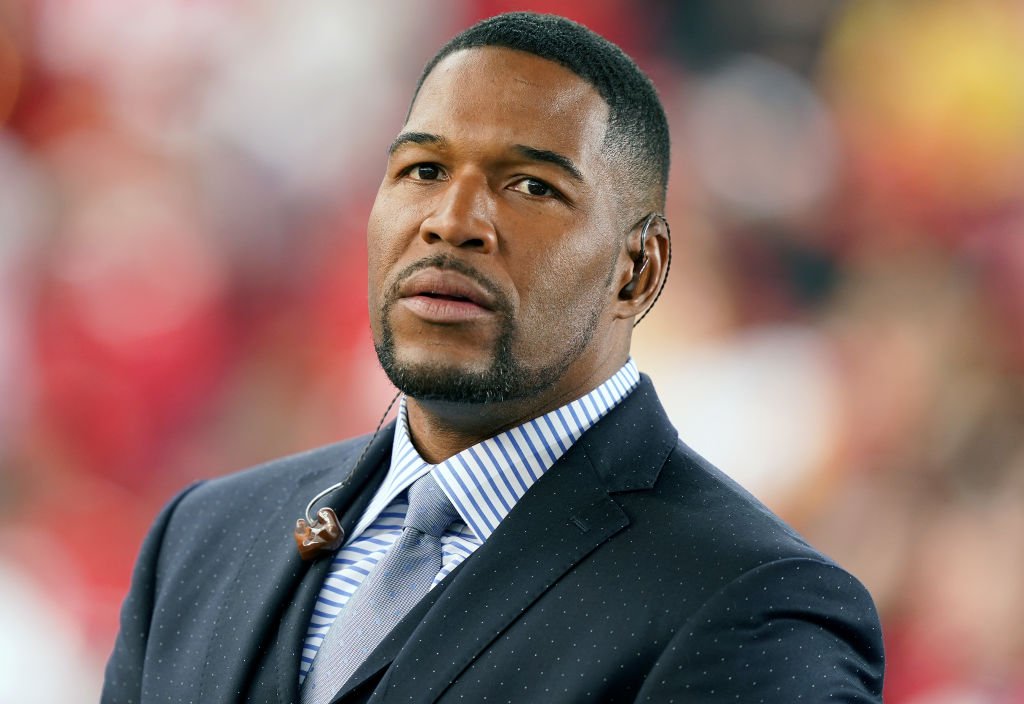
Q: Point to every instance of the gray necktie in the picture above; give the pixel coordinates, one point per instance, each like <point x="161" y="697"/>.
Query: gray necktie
<point x="392" y="588"/>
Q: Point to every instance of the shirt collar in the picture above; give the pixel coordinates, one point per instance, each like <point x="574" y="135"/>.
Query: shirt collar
<point x="486" y="480"/>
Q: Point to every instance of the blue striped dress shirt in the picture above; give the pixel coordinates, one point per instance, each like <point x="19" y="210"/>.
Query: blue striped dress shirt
<point x="484" y="482"/>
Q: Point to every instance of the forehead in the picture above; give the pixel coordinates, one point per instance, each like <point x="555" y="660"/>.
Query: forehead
<point x="495" y="96"/>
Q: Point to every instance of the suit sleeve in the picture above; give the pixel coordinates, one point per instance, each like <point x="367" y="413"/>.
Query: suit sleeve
<point x="797" y="629"/>
<point x="122" y="682"/>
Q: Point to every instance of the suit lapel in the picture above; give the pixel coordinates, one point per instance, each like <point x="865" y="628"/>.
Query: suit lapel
<point x="474" y="610"/>
<point x="562" y="518"/>
<point x="270" y="571"/>
<point x="295" y="624"/>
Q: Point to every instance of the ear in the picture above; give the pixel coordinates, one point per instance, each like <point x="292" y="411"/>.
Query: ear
<point x="643" y="266"/>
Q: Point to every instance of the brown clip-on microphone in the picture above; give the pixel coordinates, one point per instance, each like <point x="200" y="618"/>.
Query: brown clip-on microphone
<point x="323" y="535"/>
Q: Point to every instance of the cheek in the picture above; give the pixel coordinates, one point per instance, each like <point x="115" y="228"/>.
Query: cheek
<point x="557" y="283"/>
<point x="565" y="287"/>
<point x="387" y="234"/>
<point x="576" y="268"/>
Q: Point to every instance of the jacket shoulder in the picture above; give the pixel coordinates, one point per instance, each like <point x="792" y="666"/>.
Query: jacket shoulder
<point x="255" y="482"/>
<point x="718" y="511"/>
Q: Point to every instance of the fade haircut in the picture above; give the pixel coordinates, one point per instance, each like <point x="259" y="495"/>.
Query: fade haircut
<point x="637" y="137"/>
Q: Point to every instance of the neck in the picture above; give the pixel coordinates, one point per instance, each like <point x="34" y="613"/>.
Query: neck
<point x="441" y="429"/>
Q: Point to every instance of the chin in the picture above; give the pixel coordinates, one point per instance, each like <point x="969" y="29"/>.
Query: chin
<point x="437" y="376"/>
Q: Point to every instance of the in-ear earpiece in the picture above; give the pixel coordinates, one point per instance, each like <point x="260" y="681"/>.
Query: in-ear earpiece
<point x="640" y="261"/>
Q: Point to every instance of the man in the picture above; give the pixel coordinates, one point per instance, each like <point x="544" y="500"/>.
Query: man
<point x="531" y="528"/>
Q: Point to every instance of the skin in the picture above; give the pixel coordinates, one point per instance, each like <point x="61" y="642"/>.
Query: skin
<point x="558" y="246"/>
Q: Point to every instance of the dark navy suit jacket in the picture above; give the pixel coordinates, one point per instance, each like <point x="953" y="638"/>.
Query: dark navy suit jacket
<point x="632" y="571"/>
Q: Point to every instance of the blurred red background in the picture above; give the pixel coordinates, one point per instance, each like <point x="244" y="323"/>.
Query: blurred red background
<point x="183" y="193"/>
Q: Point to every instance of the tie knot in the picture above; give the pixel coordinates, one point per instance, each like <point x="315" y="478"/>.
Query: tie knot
<point x="430" y="510"/>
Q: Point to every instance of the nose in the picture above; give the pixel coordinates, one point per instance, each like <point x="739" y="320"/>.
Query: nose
<point x="463" y="216"/>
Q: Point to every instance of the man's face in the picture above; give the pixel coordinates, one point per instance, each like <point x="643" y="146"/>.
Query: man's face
<point x="494" y="233"/>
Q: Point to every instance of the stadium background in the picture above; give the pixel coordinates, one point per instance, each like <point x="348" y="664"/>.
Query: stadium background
<point x="183" y="191"/>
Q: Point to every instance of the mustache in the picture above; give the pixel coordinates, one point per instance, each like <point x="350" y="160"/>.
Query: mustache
<point x="502" y="304"/>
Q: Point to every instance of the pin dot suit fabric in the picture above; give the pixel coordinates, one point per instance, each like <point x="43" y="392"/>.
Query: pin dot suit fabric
<point x="632" y="571"/>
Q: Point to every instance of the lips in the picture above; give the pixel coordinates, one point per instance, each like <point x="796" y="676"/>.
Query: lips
<point x="445" y="296"/>
<point x="446" y="285"/>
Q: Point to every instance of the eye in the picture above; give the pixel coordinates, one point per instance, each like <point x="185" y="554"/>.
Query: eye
<point x="425" y="172"/>
<point x="533" y="187"/>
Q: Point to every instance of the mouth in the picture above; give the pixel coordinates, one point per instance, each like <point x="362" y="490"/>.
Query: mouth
<point x="445" y="296"/>
<point x="439" y="296"/>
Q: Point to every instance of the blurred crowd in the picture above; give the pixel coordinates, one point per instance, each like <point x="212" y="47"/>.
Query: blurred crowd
<point x="184" y="187"/>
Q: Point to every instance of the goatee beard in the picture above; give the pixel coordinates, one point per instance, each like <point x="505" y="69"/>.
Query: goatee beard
<point x="505" y="379"/>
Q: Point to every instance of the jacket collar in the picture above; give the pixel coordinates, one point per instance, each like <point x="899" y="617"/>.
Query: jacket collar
<point x="486" y="480"/>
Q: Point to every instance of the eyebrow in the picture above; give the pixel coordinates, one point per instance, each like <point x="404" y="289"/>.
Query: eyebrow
<point x="532" y="153"/>
<point x="416" y="138"/>
<point x="546" y="155"/>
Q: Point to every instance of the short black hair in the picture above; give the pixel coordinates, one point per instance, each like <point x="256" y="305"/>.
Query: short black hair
<point x="637" y="128"/>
